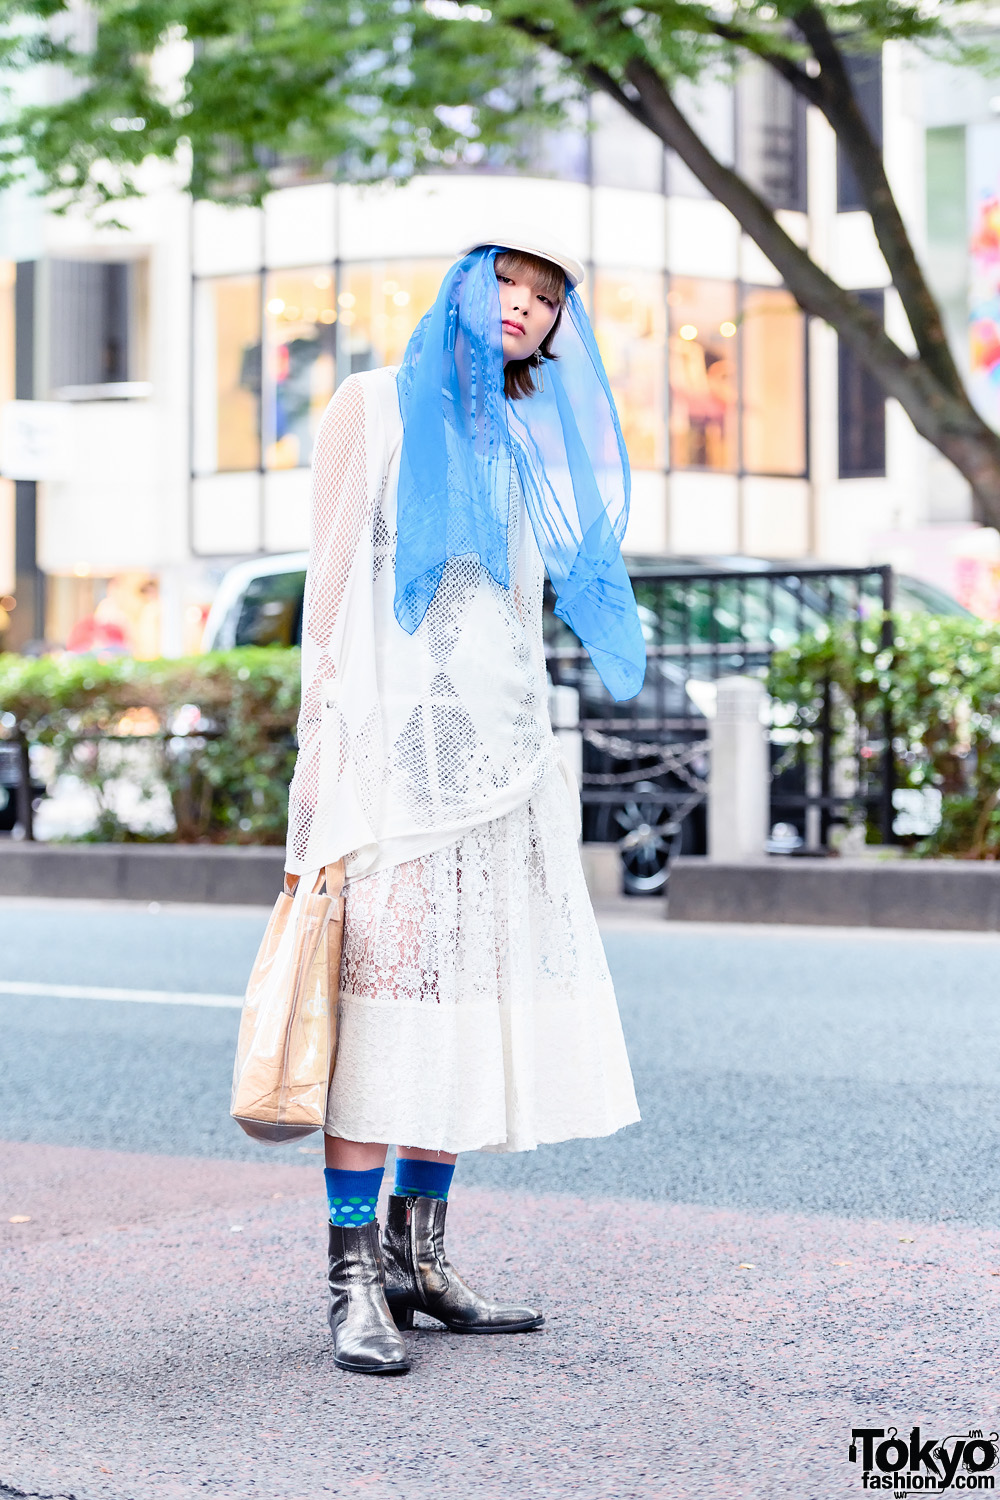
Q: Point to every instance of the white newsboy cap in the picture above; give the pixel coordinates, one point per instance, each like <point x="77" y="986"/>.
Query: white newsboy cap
<point x="534" y="243"/>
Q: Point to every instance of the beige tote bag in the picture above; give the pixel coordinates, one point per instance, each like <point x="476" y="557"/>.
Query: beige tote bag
<point x="288" y="1030"/>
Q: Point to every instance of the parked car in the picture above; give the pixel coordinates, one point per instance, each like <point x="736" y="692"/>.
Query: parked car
<point x="259" y="603"/>
<point x="703" y="618"/>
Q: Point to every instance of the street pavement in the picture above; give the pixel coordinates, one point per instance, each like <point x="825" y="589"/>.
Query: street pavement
<point x="801" y="1237"/>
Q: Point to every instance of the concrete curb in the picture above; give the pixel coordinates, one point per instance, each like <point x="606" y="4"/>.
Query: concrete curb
<point x="933" y="893"/>
<point x="234" y="874"/>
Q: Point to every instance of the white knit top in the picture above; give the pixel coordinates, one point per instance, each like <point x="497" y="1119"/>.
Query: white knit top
<point x="406" y="741"/>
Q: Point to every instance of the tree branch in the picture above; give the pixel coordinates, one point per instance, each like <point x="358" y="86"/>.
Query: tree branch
<point x="755" y="43"/>
<point x="817" y="292"/>
<point x="839" y="104"/>
<point x="931" y="408"/>
<point x="832" y="93"/>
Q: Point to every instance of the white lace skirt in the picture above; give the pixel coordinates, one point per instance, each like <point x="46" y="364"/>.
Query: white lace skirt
<point x="477" y="1011"/>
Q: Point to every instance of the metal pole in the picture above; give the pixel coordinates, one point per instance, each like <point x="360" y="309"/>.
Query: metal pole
<point x="826" y="744"/>
<point x="25" y="811"/>
<point x="888" y="757"/>
<point x="825" y="763"/>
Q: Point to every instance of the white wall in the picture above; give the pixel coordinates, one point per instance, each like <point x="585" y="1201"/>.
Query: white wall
<point x="113" y="514"/>
<point x="647" y="530"/>
<point x="6" y="536"/>
<point x="126" y="503"/>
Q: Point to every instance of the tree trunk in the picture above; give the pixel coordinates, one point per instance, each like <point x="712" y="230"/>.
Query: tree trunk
<point x="944" y="416"/>
<point x="835" y="96"/>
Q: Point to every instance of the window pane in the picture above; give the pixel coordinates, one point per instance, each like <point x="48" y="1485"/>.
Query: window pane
<point x="774" y="383"/>
<point x="8" y="274"/>
<point x="227" y="374"/>
<point x="703" y="357"/>
<point x="947" y="227"/>
<point x="300" y="313"/>
<point x="93" y="310"/>
<point x="865" y="73"/>
<point x="708" y="104"/>
<point x="379" y="305"/>
<point x="862" y="409"/>
<point x="624" y="153"/>
<point x="630" y="326"/>
<point x="271" y="613"/>
<point x="557" y="153"/>
<point x="771" y="136"/>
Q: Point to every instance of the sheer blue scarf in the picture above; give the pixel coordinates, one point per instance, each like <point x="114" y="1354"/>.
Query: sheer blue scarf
<point x="462" y="440"/>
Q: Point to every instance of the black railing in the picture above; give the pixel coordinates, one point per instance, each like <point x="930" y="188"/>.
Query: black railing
<point x="645" y="764"/>
<point x="701" y="625"/>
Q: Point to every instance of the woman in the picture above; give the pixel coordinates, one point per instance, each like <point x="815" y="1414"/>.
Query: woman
<point x="476" y="1008"/>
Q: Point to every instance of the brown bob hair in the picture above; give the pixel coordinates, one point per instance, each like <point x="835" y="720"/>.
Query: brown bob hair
<point x="550" y="281"/>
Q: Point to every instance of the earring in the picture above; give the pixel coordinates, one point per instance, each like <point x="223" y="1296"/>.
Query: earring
<point x="539" y="366"/>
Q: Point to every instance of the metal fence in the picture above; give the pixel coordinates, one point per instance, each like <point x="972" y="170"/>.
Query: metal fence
<point x="645" y="762"/>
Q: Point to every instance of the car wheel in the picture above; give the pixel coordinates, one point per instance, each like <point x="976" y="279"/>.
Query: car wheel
<point x="648" y="839"/>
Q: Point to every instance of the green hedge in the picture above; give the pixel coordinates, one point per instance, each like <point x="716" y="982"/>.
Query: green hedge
<point x="941" y="679"/>
<point x="218" y="732"/>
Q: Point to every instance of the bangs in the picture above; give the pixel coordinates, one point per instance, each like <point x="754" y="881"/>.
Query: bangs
<point x="547" y="279"/>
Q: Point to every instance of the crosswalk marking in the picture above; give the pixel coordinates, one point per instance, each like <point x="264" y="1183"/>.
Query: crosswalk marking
<point x="27" y="989"/>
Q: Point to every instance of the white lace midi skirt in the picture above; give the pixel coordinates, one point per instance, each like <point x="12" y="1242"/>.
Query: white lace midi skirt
<point x="476" y="1009"/>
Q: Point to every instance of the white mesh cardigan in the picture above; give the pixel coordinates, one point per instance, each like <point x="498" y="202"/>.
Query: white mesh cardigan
<point x="406" y="742"/>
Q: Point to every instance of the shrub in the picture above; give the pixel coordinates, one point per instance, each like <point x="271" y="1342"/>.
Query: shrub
<point x="217" y="732"/>
<point x="940" y="677"/>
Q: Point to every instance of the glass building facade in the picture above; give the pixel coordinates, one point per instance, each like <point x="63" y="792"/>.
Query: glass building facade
<point x="708" y="371"/>
<point x="707" y="374"/>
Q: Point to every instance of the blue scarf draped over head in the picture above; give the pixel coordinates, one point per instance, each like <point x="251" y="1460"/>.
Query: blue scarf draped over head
<point x="462" y="441"/>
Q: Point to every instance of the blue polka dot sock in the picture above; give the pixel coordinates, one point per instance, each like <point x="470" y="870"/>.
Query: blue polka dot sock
<point x="352" y="1195"/>
<point x="422" y="1179"/>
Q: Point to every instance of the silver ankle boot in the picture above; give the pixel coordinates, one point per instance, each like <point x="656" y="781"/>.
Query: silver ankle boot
<point x="420" y="1278"/>
<point x="365" y="1338"/>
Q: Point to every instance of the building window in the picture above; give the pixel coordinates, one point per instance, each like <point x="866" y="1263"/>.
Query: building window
<point x="703" y="374"/>
<point x="98" y="321"/>
<point x="773" y="371"/>
<point x="227" y="374"/>
<point x="771" y="136"/>
<point x="710" y="107"/>
<point x="300" y="313"/>
<point x="8" y="277"/>
<point x="539" y="152"/>
<point x="378" y="307"/>
<point x="861" y="417"/>
<point x="865" y="73"/>
<point x="630" y="326"/>
<point x="116" y="616"/>
<point x="623" y="153"/>
<point x="8" y="580"/>
<point x="704" y="338"/>
<point x="556" y="153"/>
<point x="947" y="206"/>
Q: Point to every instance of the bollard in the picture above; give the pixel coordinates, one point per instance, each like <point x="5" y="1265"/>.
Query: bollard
<point x="564" y="712"/>
<point x="739" y="783"/>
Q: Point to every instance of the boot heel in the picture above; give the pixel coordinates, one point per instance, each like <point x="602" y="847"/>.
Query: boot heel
<point x="402" y="1316"/>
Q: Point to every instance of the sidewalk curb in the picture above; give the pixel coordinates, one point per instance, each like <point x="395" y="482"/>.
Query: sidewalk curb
<point x="224" y="874"/>
<point x="957" y="895"/>
<point x="237" y="875"/>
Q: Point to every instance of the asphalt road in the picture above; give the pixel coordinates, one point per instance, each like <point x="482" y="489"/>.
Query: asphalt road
<point x="802" y="1235"/>
<point x="775" y="1071"/>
